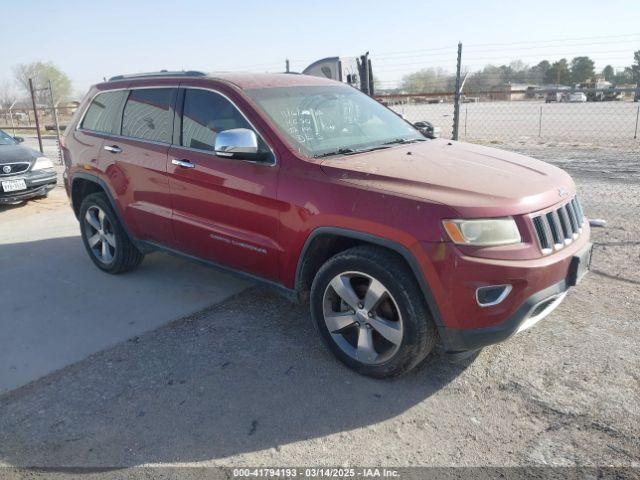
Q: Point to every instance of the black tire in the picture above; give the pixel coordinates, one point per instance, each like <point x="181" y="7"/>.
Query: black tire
<point x="419" y="332"/>
<point x="126" y="256"/>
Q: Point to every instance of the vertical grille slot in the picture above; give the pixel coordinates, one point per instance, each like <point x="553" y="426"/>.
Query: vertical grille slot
<point x="554" y="227"/>
<point x="573" y="218"/>
<point x="542" y="233"/>
<point x="578" y="209"/>
<point x="564" y="222"/>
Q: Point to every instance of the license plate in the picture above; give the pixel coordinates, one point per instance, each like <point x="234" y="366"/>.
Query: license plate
<point x="14" y="185"/>
<point x="580" y="265"/>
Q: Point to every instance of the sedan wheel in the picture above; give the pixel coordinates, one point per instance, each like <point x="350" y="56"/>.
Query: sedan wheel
<point x="362" y="317"/>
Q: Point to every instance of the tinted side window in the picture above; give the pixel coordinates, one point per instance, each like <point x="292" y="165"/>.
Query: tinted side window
<point x="205" y="114"/>
<point x="103" y="115"/>
<point x="148" y="114"/>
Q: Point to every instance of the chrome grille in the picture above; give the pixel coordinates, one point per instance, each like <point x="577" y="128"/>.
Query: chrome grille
<point x="14" y="168"/>
<point x="557" y="228"/>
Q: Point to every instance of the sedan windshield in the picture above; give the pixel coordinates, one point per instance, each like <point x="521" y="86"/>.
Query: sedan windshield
<point x="320" y="121"/>
<point x="6" y="139"/>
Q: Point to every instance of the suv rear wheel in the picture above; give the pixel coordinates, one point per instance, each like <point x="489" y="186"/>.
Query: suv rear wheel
<point x="370" y="312"/>
<point x="104" y="238"/>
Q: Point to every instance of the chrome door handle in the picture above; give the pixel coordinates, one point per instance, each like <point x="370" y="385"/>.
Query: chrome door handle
<point x="182" y="163"/>
<point x="112" y="148"/>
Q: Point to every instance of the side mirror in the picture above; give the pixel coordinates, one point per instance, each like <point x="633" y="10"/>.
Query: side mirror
<point x="18" y="139"/>
<point x="427" y="129"/>
<point x="236" y="143"/>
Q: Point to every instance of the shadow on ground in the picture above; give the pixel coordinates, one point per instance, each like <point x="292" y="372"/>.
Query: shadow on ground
<point x="246" y="375"/>
<point x="57" y="308"/>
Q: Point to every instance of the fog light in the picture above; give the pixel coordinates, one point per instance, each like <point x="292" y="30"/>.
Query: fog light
<point x="492" y="295"/>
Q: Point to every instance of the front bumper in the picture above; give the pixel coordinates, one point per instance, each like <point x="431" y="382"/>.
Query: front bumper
<point x="38" y="183"/>
<point x="534" y="309"/>
<point x="538" y="287"/>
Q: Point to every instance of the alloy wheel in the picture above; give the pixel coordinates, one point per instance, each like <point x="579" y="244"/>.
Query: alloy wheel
<point x="362" y="317"/>
<point x="99" y="234"/>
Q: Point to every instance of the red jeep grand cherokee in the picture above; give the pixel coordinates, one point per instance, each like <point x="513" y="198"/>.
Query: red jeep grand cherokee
<point x="395" y="240"/>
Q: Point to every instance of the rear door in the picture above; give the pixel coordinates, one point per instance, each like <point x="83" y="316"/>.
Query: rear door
<point x="100" y="120"/>
<point x="135" y="161"/>
<point x="224" y="210"/>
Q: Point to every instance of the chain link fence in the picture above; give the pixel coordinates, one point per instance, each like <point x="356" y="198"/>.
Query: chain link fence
<point x="22" y="118"/>
<point x="484" y="118"/>
<point x="50" y="118"/>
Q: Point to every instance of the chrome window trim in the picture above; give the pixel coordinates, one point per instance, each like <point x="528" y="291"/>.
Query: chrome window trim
<point x="151" y="142"/>
<point x="171" y="144"/>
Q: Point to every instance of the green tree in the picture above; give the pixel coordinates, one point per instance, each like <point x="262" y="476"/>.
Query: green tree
<point x="623" y="76"/>
<point x="539" y="71"/>
<point x="41" y="73"/>
<point x="582" y="69"/>
<point x="608" y="73"/>
<point x="635" y="68"/>
<point x="559" y="73"/>
<point x="428" y="80"/>
<point x="487" y="79"/>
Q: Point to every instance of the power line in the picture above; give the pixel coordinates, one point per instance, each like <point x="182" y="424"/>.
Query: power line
<point x="471" y="47"/>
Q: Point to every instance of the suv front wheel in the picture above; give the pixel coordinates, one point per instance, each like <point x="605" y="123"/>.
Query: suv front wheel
<point x="106" y="242"/>
<point x="370" y="312"/>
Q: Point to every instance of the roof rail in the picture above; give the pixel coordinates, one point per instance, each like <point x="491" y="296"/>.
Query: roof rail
<point x="161" y="73"/>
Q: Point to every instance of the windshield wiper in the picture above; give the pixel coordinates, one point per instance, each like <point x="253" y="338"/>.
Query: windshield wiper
<point x="351" y="151"/>
<point x="340" y="151"/>
<point x="404" y="140"/>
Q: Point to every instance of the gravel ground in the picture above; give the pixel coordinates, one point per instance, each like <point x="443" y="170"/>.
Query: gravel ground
<point x="247" y="383"/>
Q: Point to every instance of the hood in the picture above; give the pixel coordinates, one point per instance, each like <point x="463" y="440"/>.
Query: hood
<point x="475" y="180"/>
<point x="17" y="153"/>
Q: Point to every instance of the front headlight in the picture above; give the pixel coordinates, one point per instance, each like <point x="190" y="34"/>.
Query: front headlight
<point x="483" y="232"/>
<point x="42" y="163"/>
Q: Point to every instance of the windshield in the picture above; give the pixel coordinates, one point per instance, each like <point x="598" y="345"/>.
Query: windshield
<point x="6" y="139"/>
<point x="331" y="120"/>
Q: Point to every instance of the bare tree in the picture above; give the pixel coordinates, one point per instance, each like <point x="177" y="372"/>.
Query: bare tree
<point x="8" y="94"/>
<point x="41" y="73"/>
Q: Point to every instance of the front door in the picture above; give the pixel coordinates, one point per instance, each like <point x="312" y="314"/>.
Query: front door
<point x="224" y="210"/>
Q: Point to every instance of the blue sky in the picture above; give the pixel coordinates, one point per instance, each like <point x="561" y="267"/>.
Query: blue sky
<point x="93" y="40"/>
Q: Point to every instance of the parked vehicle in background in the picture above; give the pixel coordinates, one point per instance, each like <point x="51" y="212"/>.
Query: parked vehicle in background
<point x="24" y="173"/>
<point x="576" y="97"/>
<point x="600" y="91"/>
<point x="394" y="240"/>
<point x="554" y="97"/>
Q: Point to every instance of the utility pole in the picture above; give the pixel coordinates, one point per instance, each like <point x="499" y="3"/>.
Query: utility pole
<point x="370" y="70"/>
<point x="367" y="73"/>
<point x="456" y="98"/>
<point x="35" y="113"/>
<point x="55" y="121"/>
<point x="13" y="125"/>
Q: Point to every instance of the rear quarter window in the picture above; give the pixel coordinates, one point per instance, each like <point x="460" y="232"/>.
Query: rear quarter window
<point x="103" y="115"/>
<point x="148" y="114"/>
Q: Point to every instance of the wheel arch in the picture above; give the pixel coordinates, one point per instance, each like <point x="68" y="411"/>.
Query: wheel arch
<point x="324" y="242"/>
<point x="84" y="184"/>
